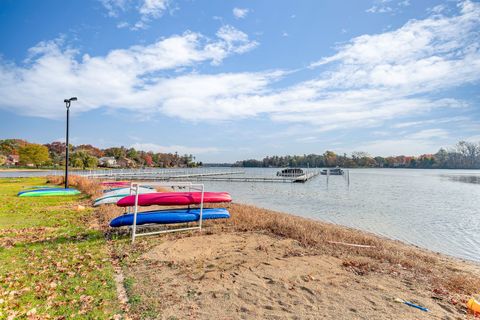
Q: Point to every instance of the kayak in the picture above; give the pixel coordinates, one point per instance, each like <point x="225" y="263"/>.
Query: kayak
<point x="174" y="198"/>
<point x="115" y="183"/>
<point x="117" y="188"/>
<point x="115" y="195"/>
<point x="39" y="189"/>
<point x="126" y="191"/>
<point x="170" y="216"/>
<point x="49" y="192"/>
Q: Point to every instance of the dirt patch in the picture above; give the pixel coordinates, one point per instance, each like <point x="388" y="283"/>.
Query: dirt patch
<point x="257" y="275"/>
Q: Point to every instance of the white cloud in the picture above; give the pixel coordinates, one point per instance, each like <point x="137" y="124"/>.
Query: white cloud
<point x="423" y="56"/>
<point x="172" y="149"/>
<point x="379" y="9"/>
<point x="122" y="25"/>
<point x="153" y="8"/>
<point x="438" y="9"/>
<point x="115" y="7"/>
<point x="430" y="121"/>
<point x="147" y="10"/>
<point x="124" y="78"/>
<point x="371" y="79"/>
<point x="388" y="6"/>
<point x="240" y="13"/>
<point x="429" y="134"/>
<point x="235" y="39"/>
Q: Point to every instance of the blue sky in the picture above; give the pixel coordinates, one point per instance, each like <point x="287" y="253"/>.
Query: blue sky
<point x="230" y="80"/>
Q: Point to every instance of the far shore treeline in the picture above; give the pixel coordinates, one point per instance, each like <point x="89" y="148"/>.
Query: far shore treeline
<point x="21" y="153"/>
<point x="17" y="152"/>
<point x="464" y="155"/>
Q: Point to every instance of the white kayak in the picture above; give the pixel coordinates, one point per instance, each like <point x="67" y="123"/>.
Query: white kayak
<point x="117" y="194"/>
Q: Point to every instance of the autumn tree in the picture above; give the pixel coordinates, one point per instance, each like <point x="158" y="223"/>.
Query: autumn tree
<point x="56" y="150"/>
<point x="93" y="151"/>
<point x="11" y="146"/>
<point x="83" y="159"/>
<point x="330" y="158"/>
<point x="148" y="159"/>
<point x="116" y="152"/>
<point x="35" y="154"/>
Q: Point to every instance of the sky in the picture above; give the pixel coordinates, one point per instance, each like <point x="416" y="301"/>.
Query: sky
<point x="233" y="80"/>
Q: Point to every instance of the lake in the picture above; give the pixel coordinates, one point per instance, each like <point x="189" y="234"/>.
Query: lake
<point x="435" y="209"/>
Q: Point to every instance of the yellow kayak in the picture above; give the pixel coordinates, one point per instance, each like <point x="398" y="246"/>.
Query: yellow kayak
<point x="474" y="306"/>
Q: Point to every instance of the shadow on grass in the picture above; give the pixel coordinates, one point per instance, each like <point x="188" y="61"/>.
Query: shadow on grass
<point x="86" y="237"/>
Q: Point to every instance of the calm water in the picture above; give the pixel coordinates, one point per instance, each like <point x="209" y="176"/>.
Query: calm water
<point x="435" y="209"/>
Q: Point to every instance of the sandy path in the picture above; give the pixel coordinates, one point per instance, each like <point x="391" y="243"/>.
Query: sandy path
<point x="258" y="276"/>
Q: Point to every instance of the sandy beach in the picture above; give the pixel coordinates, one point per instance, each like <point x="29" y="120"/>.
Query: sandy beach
<point x="262" y="264"/>
<point x="252" y="275"/>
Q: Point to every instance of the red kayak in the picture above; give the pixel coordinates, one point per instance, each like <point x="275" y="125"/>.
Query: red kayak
<point x="115" y="183"/>
<point x="174" y="198"/>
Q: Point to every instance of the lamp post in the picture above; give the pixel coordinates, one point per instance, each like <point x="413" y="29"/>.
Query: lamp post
<point x="67" y="104"/>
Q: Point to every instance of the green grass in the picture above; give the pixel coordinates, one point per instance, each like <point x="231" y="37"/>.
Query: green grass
<point x="52" y="264"/>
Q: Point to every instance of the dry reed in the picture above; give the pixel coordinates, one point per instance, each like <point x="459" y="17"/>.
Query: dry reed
<point x="88" y="186"/>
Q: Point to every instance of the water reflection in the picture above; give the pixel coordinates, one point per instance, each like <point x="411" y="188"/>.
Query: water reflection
<point x="464" y="179"/>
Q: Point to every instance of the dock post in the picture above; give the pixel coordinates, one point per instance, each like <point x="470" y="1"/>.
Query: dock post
<point x="328" y="176"/>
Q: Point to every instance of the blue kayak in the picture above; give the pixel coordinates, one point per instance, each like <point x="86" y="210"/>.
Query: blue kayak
<point x="44" y="189"/>
<point x="170" y="216"/>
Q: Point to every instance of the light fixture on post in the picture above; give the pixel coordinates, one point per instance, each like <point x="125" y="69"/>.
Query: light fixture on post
<point x="67" y="104"/>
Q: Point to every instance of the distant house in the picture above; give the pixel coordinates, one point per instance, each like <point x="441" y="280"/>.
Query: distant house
<point x="126" y="163"/>
<point x="108" y="162"/>
<point x="12" y="160"/>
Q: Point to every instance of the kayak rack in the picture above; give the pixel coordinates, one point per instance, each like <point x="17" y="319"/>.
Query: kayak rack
<point x="134" y="186"/>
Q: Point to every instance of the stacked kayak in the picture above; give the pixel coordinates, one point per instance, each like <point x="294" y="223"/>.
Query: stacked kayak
<point x="44" y="192"/>
<point x="112" y="196"/>
<point x="175" y="198"/>
<point x="171" y="216"/>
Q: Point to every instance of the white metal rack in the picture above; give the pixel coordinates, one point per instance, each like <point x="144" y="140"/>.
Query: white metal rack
<point x="134" y="186"/>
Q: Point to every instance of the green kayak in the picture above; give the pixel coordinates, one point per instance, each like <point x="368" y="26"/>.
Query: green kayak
<point x="49" y="192"/>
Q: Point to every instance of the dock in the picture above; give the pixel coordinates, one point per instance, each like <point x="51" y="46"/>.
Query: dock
<point x="302" y="178"/>
<point x="154" y="175"/>
<point x="193" y="175"/>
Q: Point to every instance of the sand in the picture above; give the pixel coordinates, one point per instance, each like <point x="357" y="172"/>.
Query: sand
<point x="254" y="275"/>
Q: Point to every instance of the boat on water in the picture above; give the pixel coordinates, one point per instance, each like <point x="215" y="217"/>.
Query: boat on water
<point x="290" y="172"/>
<point x="333" y="172"/>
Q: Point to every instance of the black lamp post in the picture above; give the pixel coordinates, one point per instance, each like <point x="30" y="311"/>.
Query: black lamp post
<point x="67" y="104"/>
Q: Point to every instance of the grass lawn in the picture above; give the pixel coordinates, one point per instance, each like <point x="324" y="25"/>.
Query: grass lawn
<point x="53" y="265"/>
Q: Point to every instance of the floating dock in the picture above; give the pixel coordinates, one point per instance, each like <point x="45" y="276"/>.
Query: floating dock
<point x="194" y="175"/>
